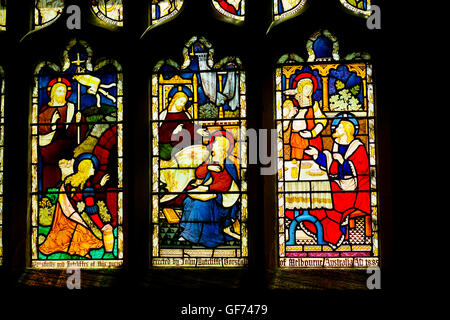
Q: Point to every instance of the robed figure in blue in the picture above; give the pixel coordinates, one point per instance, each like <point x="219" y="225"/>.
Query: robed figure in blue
<point x="211" y="209"/>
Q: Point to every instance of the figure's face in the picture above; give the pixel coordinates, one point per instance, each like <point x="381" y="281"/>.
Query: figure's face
<point x="219" y="149"/>
<point x="304" y="90"/>
<point x="287" y="112"/>
<point x="180" y="103"/>
<point x="59" y="94"/>
<point x="307" y="90"/>
<point x="339" y="132"/>
<point x="60" y="91"/>
<point x="91" y="170"/>
<point x="86" y="168"/>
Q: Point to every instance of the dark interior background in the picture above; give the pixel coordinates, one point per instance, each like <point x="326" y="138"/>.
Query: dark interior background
<point x="261" y="282"/>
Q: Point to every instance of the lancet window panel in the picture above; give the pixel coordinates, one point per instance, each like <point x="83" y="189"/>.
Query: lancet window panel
<point x="77" y="162"/>
<point x="199" y="160"/>
<point x="327" y="165"/>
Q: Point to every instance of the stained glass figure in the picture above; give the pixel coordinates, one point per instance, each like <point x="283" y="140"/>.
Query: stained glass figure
<point x="327" y="194"/>
<point x="2" y="15"/>
<point x="358" y="7"/>
<point x="109" y="12"/>
<point x="232" y="9"/>
<point x="2" y="129"/>
<point x="77" y="162"/>
<point x="199" y="160"/>
<point x="47" y="12"/>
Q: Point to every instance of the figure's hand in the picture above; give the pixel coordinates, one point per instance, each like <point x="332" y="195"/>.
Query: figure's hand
<point x="312" y="151"/>
<point x="338" y="157"/>
<point x="203" y="132"/>
<point x="214" y="167"/>
<point x="305" y="134"/>
<point x="78" y="117"/>
<point x="104" y="180"/>
<point x="178" y="129"/>
<point x="56" y="116"/>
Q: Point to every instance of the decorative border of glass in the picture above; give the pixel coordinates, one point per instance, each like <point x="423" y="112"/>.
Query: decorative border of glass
<point x="314" y="230"/>
<point x="283" y="10"/>
<point x="162" y="11"/>
<point x="77" y="211"/>
<point x="358" y="7"/>
<point x="213" y="97"/>
<point x="109" y="12"/>
<point x="232" y="9"/>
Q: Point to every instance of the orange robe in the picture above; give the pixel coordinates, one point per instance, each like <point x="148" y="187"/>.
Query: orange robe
<point x="299" y="144"/>
<point x="67" y="234"/>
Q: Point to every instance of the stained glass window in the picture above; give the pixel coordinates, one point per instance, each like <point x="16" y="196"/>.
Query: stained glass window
<point x="199" y="160"/>
<point x="46" y="12"/>
<point x="2" y="114"/>
<point x="77" y="162"/>
<point x="233" y="9"/>
<point x="110" y="12"/>
<point x="163" y="10"/>
<point x="359" y="7"/>
<point x="2" y="15"/>
<point x="327" y="192"/>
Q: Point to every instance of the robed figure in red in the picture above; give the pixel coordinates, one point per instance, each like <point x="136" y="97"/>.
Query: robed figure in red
<point x="348" y="168"/>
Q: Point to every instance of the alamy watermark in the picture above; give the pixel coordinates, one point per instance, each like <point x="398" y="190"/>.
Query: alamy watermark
<point x="374" y="280"/>
<point x="374" y="20"/>
<point x="74" y="19"/>
<point x="74" y="278"/>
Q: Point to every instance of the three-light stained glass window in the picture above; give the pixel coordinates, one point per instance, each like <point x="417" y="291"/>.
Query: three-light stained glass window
<point x="327" y="192"/>
<point x="77" y="162"/>
<point x="199" y="160"/>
